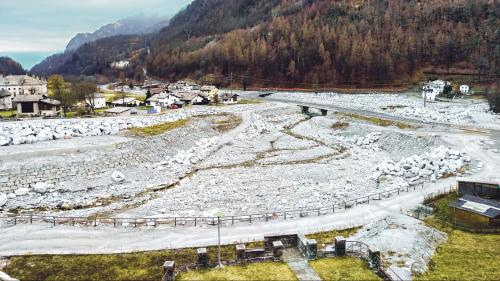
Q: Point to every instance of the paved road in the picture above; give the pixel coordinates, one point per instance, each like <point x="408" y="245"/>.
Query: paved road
<point x="494" y="133"/>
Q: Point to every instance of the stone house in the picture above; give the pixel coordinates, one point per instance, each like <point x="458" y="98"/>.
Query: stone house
<point x="37" y="105"/>
<point x="5" y="99"/>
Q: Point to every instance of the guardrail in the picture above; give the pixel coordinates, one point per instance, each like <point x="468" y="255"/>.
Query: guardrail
<point x="200" y="221"/>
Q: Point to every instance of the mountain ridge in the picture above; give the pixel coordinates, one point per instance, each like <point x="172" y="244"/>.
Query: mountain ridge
<point x="9" y="66"/>
<point x="137" y="25"/>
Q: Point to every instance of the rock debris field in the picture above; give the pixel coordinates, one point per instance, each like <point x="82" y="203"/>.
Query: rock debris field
<point x="275" y="159"/>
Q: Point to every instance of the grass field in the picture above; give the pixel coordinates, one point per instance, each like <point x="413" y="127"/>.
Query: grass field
<point x="7" y="113"/>
<point x="158" y="129"/>
<point x="256" y="271"/>
<point x="144" y="266"/>
<point x="379" y="121"/>
<point x="327" y="237"/>
<point x="249" y="101"/>
<point x="343" y="268"/>
<point x="465" y="256"/>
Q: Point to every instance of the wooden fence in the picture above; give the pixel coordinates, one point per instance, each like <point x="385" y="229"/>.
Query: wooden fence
<point x="201" y="221"/>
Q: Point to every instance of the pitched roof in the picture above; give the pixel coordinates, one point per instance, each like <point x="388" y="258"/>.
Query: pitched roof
<point x="122" y="101"/>
<point x="20" y="80"/>
<point x="478" y="205"/>
<point x="28" y="98"/>
<point x="4" y="93"/>
<point x="118" y="109"/>
<point x="51" y="101"/>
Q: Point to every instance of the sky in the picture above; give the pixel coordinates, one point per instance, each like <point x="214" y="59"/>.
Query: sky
<point x="33" y="29"/>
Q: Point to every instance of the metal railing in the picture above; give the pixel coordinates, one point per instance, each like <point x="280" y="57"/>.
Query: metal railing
<point x="200" y="221"/>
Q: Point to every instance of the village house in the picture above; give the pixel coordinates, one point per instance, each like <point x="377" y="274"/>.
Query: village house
<point x="98" y="100"/>
<point x="185" y="85"/>
<point x="21" y="85"/>
<point x="464" y="89"/>
<point x="228" y="98"/>
<point x="126" y="102"/>
<point x="193" y="98"/>
<point x="209" y="91"/>
<point x="5" y="99"/>
<point x="433" y="89"/>
<point x="163" y="100"/>
<point x="37" y="105"/>
<point x="476" y="212"/>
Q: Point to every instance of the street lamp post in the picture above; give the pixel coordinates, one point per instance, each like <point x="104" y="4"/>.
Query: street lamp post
<point x="220" y="265"/>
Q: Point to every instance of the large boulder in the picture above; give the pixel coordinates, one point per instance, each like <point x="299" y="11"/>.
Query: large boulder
<point x="22" y="191"/>
<point x="118" y="176"/>
<point x="3" y="199"/>
<point x="42" y="187"/>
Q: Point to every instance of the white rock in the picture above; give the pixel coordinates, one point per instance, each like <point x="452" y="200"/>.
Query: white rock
<point x="22" y="191"/>
<point x="118" y="176"/>
<point x="3" y="199"/>
<point x="41" y="187"/>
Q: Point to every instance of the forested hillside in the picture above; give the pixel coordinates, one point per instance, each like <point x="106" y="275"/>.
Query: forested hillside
<point x="324" y="42"/>
<point x="9" y="66"/>
<point x="95" y="57"/>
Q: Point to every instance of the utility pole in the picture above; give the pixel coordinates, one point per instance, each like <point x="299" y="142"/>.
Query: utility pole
<point x="231" y="83"/>
<point x="220" y="265"/>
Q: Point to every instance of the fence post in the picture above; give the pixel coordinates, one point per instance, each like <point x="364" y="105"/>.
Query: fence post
<point x="398" y="191"/>
<point x="114" y="222"/>
<point x="345" y="205"/>
<point x="72" y="221"/>
<point x="31" y="218"/>
<point x="155" y="221"/>
<point x="267" y="218"/>
<point x="250" y="218"/>
<point x="333" y="208"/>
<point x="95" y="221"/>
<point x="284" y="214"/>
<point x="232" y="220"/>
<point x="15" y="220"/>
<point x="135" y="222"/>
<point x="54" y="221"/>
<point x="318" y="212"/>
<point x="175" y="221"/>
<point x="194" y="221"/>
<point x="368" y="199"/>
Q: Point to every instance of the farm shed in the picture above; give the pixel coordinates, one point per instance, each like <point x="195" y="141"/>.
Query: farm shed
<point x="476" y="212"/>
<point x="484" y="189"/>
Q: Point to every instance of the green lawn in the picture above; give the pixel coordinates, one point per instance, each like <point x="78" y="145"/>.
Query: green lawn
<point x="256" y="271"/>
<point x="158" y="129"/>
<point x="343" y="268"/>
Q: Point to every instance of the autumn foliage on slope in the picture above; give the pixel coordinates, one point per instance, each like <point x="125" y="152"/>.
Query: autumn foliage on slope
<point x="324" y="42"/>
